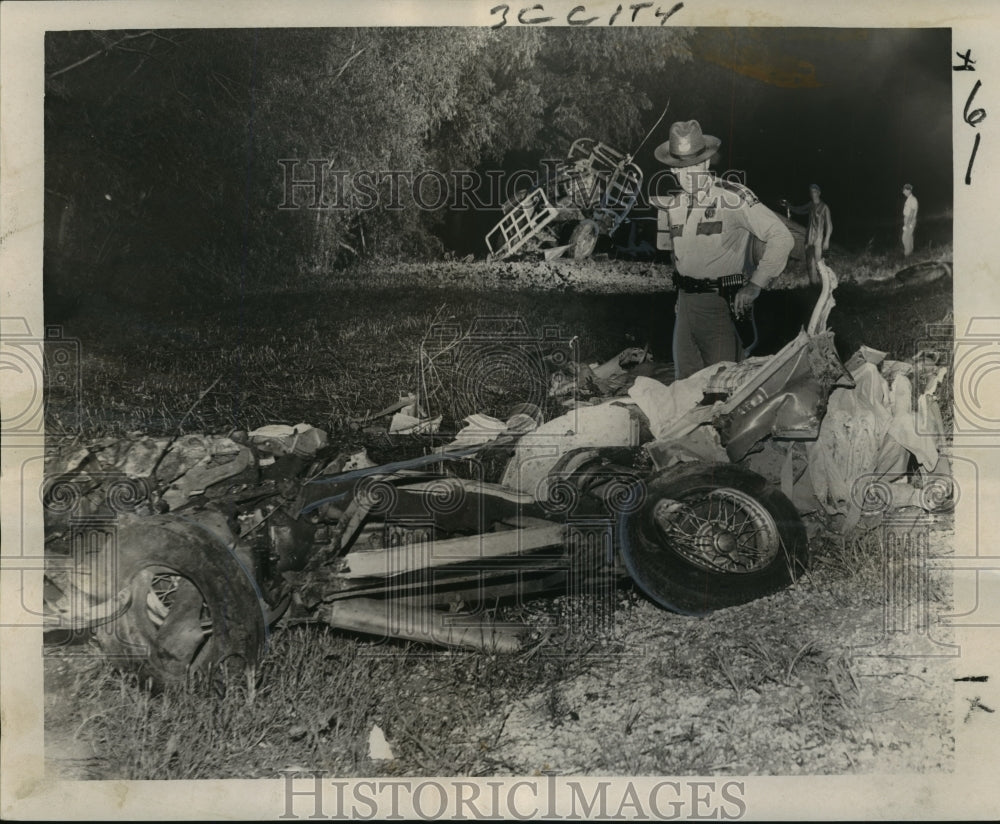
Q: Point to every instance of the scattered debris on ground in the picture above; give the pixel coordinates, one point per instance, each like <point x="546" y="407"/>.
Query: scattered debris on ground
<point x="845" y="445"/>
<point x="576" y="201"/>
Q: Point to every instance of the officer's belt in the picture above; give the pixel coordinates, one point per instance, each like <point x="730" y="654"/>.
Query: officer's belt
<point x="701" y="285"/>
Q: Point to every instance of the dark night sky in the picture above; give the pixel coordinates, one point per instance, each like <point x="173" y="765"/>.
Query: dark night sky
<point x="858" y="111"/>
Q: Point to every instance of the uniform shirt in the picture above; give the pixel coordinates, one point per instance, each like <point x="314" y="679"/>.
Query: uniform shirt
<point x="820" y="221"/>
<point x="910" y="212"/>
<point x="710" y="236"/>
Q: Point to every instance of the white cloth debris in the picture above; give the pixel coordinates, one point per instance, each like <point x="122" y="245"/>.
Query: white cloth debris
<point x="702" y="444"/>
<point x="403" y="424"/>
<point x="867" y="436"/>
<point x="850" y="437"/>
<point x="607" y="424"/>
<point x="281" y="439"/>
<point x="866" y="354"/>
<point x="58" y="464"/>
<point x="903" y="429"/>
<point x="357" y="460"/>
<point x="275" y="430"/>
<point x="665" y="405"/>
<point x="484" y="429"/>
<point x="479" y="429"/>
<point x="187" y="452"/>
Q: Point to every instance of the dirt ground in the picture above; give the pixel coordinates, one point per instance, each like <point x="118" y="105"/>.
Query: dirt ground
<point x="828" y="686"/>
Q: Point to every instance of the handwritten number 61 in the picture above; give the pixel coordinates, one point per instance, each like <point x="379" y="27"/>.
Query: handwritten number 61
<point x="976" y="116"/>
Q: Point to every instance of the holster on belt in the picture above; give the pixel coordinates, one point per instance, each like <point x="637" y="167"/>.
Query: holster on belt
<point x="727" y="286"/>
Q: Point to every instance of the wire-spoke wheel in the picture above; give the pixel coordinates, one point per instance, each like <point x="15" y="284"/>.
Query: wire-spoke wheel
<point x="723" y="530"/>
<point x="710" y="536"/>
<point x="193" y="606"/>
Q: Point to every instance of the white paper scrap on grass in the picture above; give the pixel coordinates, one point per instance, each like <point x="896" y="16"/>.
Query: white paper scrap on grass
<point x="378" y="747"/>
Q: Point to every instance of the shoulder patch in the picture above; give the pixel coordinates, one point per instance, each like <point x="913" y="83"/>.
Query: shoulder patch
<point x="737" y="194"/>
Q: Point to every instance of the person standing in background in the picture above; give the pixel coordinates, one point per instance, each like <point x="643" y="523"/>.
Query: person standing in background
<point x="910" y="206"/>
<point x="819" y="231"/>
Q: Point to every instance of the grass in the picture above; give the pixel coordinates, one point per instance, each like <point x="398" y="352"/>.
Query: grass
<point x="332" y="355"/>
<point x="328" y="357"/>
<point x="317" y="696"/>
<point x="775" y="676"/>
<point x="866" y="266"/>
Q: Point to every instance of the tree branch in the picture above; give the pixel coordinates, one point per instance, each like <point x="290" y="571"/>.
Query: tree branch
<point x="215" y="77"/>
<point x="97" y="53"/>
<point x="347" y="63"/>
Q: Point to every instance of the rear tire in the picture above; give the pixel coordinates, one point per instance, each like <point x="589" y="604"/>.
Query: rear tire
<point x="194" y="611"/>
<point x="921" y="273"/>
<point x="710" y="536"/>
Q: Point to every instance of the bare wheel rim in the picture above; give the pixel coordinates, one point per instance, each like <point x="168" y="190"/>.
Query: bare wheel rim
<point x="172" y="615"/>
<point x="720" y="530"/>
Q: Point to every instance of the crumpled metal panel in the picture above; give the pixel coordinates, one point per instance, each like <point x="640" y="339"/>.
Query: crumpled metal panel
<point x="785" y="400"/>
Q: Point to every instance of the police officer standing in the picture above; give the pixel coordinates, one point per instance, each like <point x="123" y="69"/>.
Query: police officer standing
<point x="711" y="225"/>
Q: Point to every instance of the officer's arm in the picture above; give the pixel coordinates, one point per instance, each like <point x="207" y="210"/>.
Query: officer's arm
<point x="829" y="227"/>
<point x="778" y="242"/>
<point x="664" y="240"/>
<point x="799" y="210"/>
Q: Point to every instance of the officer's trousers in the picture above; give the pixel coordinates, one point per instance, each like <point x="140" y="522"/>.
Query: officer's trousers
<point x="703" y="333"/>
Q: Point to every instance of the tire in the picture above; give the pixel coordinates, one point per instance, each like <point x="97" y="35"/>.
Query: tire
<point x="583" y="240"/>
<point x="921" y="273"/>
<point x="682" y="548"/>
<point x="194" y="605"/>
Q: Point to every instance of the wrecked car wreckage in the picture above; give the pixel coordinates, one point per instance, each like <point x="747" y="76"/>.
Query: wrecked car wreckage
<point x="587" y="195"/>
<point x="192" y="548"/>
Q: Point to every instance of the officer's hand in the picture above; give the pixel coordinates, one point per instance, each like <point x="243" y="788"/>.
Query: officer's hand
<point x="744" y="298"/>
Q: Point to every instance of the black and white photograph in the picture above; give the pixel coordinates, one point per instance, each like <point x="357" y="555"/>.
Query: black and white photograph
<point x="458" y="410"/>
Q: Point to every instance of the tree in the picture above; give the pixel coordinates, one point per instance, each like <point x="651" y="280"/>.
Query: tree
<point x="164" y="150"/>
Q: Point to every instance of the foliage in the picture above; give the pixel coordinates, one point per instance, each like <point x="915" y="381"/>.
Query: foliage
<point x="163" y="148"/>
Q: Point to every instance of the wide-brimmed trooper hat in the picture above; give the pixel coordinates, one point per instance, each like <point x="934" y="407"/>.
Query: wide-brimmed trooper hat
<point x="687" y="145"/>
